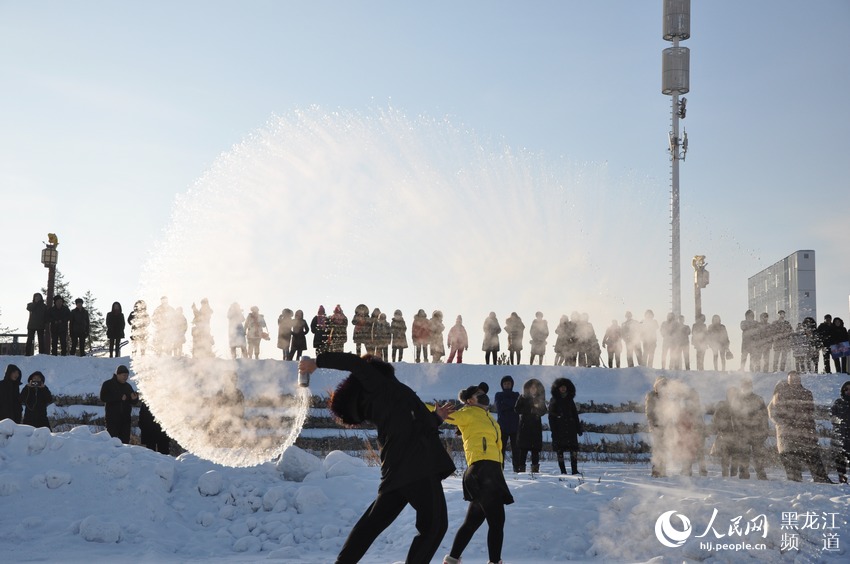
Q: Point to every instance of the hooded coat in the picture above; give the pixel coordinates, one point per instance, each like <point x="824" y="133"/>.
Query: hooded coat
<point x="38" y="313"/>
<point x="118" y="410"/>
<point x="10" y="395"/>
<point x="320" y="328"/>
<point x="398" y="327"/>
<point x="792" y="411"/>
<point x="491" y="334"/>
<point x="504" y="404"/>
<point x="408" y="432"/>
<point x="36" y="399"/>
<point x="563" y="416"/>
<point x="115" y="323"/>
<point x="531" y="407"/>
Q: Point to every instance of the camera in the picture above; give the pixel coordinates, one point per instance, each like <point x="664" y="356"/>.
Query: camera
<point x="33" y="384"/>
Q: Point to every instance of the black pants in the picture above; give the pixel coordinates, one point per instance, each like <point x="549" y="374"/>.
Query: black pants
<point x="426" y="497"/>
<point x="398" y="352"/>
<point x="573" y="461"/>
<point x="78" y="341"/>
<point x="58" y="339"/>
<point x="510" y="438"/>
<point x="41" y="335"/>
<point x="488" y="355"/>
<point x="523" y="455"/>
<point x="114" y="346"/>
<point x="485" y="484"/>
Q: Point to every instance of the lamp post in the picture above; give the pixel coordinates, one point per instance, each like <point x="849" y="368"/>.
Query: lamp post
<point x="49" y="258"/>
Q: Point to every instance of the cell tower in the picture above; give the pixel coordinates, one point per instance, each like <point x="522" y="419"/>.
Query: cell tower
<point x="675" y="80"/>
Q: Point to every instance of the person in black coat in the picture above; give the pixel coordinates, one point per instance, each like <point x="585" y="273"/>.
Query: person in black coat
<point x="57" y="319"/>
<point x="119" y="397"/>
<point x="839" y="337"/>
<point x="413" y="459"/>
<point x="152" y="434"/>
<point x="531" y="407"/>
<point x="115" y="329"/>
<point x="35" y="397"/>
<point x="10" y="394"/>
<point x="320" y="326"/>
<point x="79" y="327"/>
<point x="823" y="339"/>
<point x="508" y="418"/>
<point x="564" y="422"/>
<point x="840" y="416"/>
<point x="299" y="336"/>
<point x="36" y="325"/>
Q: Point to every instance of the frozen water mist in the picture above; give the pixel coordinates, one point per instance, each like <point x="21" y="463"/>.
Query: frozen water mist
<point x="325" y="208"/>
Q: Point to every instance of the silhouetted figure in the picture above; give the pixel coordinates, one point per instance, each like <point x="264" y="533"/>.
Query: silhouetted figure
<point x="824" y="338"/>
<point x="564" y="423"/>
<point x="338" y="335"/>
<point x="840" y="347"/>
<point x="718" y="341"/>
<point x="382" y="336"/>
<point x="749" y="338"/>
<point x="539" y="332"/>
<point x="490" y="346"/>
<point x="162" y="320"/>
<point x="668" y="336"/>
<point x="284" y="332"/>
<point x="781" y="339"/>
<point x="436" y="326"/>
<point x="649" y="337"/>
<point x="753" y="428"/>
<point x="362" y="327"/>
<point x="725" y="424"/>
<point x="421" y="335"/>
<point x="399" y="331"/>
<point x="515" y="330"/>
<point x="10" y="394"/>
<point x="202" y="339"/>
<point x="115" y="329"/>
<point x="657" y="407"/>
<point x="631" y="338"/>
<point x="764" y="339"/>
<point x="236" y="331"/>
<point x="299" y="336"/>
<point x="79" y="326"/>
<point x="321" y="330"/>
<point x="35" y="397"/>
<point x="699" y="339"/>
<point x="792" y="411"/>
<point x="58" y="317"/>
<point x="613" y="343"/>
<point x="256" y="330"/>
<point x="413" y="459"/>
<point x="119" y="397"/>
<point x="37" y="325"/>
<point x="840" y="417"/>
<point x="139" y="321"/>
<point x="508" y="418"/>
<point x="531" y="407"/>
<point x="458" y="340"/>
<point x="180" y="326"/>
<point x="683" y="345"/>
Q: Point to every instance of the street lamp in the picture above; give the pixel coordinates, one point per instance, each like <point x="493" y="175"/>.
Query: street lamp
<point x="49" y="258"/>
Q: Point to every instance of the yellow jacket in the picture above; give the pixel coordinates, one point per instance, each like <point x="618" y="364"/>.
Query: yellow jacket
<point x="482" y="437"/>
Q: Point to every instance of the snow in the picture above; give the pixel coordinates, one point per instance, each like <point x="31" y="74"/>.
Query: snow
<point x="82" y="496"/>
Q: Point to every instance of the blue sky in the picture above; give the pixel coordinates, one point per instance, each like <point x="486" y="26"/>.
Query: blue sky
<point x="112" y="109"/>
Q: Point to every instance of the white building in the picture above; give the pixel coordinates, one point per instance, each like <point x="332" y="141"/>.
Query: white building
<point x="787" y="285"/>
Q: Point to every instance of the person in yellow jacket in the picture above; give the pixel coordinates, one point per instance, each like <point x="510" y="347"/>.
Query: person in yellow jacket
<point x="484" y="484"/>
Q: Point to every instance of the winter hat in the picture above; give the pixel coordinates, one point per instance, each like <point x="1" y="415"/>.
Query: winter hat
<point x="464" y="395"/>
<point x="571" y="388"/>
<point x="507" y="379"/>
<point x="122" y="370"/>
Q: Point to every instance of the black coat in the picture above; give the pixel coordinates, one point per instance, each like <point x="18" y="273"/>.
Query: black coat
<point x="79" y="322"/>
<point x="115" y="325"/>
<point x="118" y="410"/>
<point x="531" y="407"/>
<point x="840" y="415"/>
<point x="408" y="432"/>
<point x="36" y="399"/>
<point x="58" y="318"/>
<point x="563" y="418"/>
<point x="38" y="315"/>
<point x="299" y="335"/>
<point x="321" y="328"/>
<point x="10" y="396"/>
<point x="508" y="418"/>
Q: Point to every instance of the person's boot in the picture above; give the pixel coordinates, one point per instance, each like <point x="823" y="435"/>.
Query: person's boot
<point x="563" y="467"/>
<point x="520" y="469"/>
<point x="842" y="478"/>
<point x="535" y="468"/>
<point x="449" y="560"/>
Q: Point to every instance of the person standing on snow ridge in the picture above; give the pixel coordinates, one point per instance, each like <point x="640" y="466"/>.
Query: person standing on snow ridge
<point x="564" y="423"/>
<point x="458" y="341"/>
<point x="413" y="460"/>
<point x="515" y="329"/>
<point x="398" y="328"/>
<point x="490" y="346"/>
<point x="35" y="397"/>
<point x="484" y="484"/>
<point x="10" y="394"/>
<point x="539" y="332"/>
<point x="299" y="336"/>
<point x="36" y="324"/>
<point x="119" y="397"/>
<point x="255" y="331"/>
<point x="115" y="329"/>
<point x="505" y="402"/>
<point x="421" y="335"/>
<point x="531" y="407"/>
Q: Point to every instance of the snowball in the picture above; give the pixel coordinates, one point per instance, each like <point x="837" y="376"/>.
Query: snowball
<point x="336" y="456"/>
<point x="38" y="440"/>
<point x="248" y="544"/>
<point x="93" y="529"/>
<point x="56" y="479"/>
<point x="296" y="463"/>
<point x="309" y="498"/>
<point x="273" y="496"/>
<point x="7" y="428"/>
<point x="210" y="483"/>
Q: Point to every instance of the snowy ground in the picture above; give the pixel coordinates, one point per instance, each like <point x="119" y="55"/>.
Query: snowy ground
<point x="83" y="497"/>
